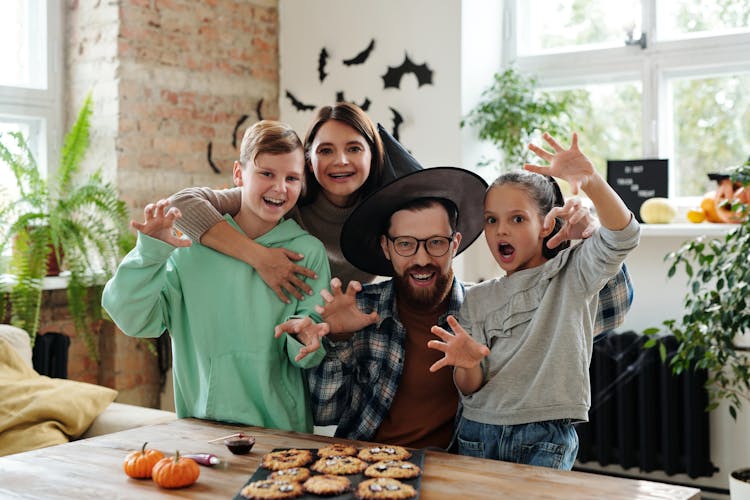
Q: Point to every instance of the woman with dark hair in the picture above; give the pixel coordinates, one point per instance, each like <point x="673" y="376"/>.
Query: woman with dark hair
<point x="344" y="162"/>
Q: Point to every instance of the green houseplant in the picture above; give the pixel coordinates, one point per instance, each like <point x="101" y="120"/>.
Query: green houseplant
<point x="512" y="109"/>
<point x="717" y="310"/>
<point x="82" y="221"/>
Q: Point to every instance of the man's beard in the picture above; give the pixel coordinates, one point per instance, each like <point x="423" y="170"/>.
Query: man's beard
<point x="429" y="297"/>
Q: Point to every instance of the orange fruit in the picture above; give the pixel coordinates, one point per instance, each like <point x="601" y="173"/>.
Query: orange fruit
<point x="708" y="205"/>
<point x="696" y="216"/>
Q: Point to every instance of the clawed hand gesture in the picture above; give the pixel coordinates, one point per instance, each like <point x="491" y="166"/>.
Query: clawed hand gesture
<point x="460" y="349"/>
<point x="307" y="332"/>
<point x="159" y="223"/>
<point x="569" y="164"/>
<point x="340" y="310"/>
<point x="579" y="223"/>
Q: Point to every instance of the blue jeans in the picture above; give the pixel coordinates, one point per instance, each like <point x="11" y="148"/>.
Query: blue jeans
<point x="553" y="443"/>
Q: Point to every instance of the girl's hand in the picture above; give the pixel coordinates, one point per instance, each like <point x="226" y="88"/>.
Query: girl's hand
<point x="579" y="223"/>
<point x="306" y="331"/>
<point x="341" y="312"/>
<point x="460" y="349"/>
<point x="159" y="223"/>
<point x="569" y="164"/>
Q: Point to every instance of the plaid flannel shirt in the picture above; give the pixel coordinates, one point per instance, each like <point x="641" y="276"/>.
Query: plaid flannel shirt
<point x="354" y="385"/>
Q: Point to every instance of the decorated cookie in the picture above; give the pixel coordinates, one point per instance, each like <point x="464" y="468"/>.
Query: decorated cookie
<point x="398" y="469"/>
<point x="339" y="465"/>
<point x="287" y="459"/>
<point x="298" y="474"/>
<point x="337" y="450"/>
<point x="327" y="485"/>
<point x="270" y="488"/>
<point x="384" y="487"/>
<point x="378" y="453"/>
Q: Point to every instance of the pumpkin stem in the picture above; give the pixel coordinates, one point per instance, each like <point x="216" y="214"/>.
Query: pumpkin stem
<point x="143" y="448"/>
<point x="177" y="456"/>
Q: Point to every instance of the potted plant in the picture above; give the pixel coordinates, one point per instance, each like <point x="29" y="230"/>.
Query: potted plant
<point x="83" y="222"/>
<point x="512" y="109"/>
<point x="716" y="319"/>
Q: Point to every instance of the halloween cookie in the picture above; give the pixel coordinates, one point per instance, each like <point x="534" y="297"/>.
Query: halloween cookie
<point x="298" y="474"/>
<point x="327" y="485"/>
<point x="397" y="469"/>
<point x="270" y="488"/>
<point x="339" y="465"/>
<point x="384" y="487"/>
<point x="287" y="459"/>
<point x="378" y="453"/>
<point x="337" y="450"/>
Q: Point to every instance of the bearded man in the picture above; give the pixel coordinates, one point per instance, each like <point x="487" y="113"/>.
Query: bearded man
<point x="374" y="382"/>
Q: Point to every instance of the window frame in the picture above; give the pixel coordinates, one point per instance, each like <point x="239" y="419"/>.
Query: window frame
<point x="43" y="105"/>
<point x="653" y="65"/>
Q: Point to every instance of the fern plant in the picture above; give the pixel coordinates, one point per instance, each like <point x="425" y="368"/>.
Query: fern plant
<point x="83" y="222"/>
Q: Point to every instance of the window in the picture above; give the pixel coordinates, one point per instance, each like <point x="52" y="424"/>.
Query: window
<point x="30" y="83"/>
<point x="656" y="78"/>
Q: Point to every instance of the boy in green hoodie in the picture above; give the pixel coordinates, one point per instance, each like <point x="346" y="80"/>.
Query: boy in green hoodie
<point x="238" y="351"/>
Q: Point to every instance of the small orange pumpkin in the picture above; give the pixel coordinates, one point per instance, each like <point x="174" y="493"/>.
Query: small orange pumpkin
<point x="175" y="472"/>
<point x="139" y="464"/>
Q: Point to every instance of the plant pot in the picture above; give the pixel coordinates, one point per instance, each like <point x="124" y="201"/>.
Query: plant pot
<point x="739" y="484"/>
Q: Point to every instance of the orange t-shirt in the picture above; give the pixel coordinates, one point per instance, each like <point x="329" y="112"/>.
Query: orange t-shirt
<point x="424" y="408"/>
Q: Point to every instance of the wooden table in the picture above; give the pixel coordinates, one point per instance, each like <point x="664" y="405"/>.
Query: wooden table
<point x="92" y="468"/>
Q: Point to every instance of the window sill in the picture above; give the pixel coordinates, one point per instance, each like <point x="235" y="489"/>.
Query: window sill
<point x="50" y="282"/>
<point x="686" y="229"/>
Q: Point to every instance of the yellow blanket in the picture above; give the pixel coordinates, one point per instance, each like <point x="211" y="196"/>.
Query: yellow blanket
<point x="38" y="411"/>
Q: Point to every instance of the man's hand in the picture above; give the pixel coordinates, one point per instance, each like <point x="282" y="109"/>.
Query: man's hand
<point x="306" y="331"/>
<point x="159" y="223"/>
<point x="341" y="312"/>
<point x="579" y="223"/>
<point x="460" y="349"/>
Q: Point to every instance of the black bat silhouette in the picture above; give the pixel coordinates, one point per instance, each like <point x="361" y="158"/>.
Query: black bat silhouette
<point x="397" y="121"/>
<point x="299" y="105"/>
<point x="392" y="77"/>
<point x="236" y="128"/>
<point x="365" y="105"/>
<point x="210" y="161"/>
<point x="362" y="56"/>
<point x="258" y="110"/>
<point x="322" y="60"/>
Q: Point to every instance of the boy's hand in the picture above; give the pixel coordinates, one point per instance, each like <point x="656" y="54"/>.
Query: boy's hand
<point x="340" y="310"/>
<point x="159" y="223"/>
<point x="569" y="164"/>
<point x="460" y="349"/>
<point x="306" y="331"/>
<point x="579" y="223"/>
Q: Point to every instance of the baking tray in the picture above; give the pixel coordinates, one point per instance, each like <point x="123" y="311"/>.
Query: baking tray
<point x="417" y="457"/>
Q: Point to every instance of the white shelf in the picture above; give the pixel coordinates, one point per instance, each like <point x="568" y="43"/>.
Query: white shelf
<point x="686" y="229"/>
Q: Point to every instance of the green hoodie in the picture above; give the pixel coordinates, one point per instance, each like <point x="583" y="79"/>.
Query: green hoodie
<point x="227" y="365"/>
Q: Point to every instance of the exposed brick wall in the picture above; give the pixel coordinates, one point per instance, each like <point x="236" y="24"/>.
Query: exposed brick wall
<point x="168" y="77"/>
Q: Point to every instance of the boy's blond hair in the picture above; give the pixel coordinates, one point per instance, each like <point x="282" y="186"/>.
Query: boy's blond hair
<point x="268" y="136"/>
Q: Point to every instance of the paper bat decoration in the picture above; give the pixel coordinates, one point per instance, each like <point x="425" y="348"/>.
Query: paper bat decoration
<point x="210" y="161"/>
<point x="362" y="56"/>
<point x="397" y="121"/>
<point x="236" y="128"/>
<point x="258" y="110"/>
<point x="299" y="105"/>
<point x="340" y="98"/>
<point x="392" y="77"/>
<point x="322" y="60"/>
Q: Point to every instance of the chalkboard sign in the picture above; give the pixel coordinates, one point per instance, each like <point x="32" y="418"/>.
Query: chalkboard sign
<point x="638" y="180"/>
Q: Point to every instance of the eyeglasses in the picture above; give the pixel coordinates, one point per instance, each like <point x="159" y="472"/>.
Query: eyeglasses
<point x="406" y="246"/>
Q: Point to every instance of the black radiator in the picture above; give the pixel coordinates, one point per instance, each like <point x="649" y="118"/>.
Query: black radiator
<point x="50" y="355"/>
<point x="642" y="415"/>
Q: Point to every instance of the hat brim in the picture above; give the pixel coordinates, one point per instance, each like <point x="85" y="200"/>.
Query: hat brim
<point x="360" y="235"/>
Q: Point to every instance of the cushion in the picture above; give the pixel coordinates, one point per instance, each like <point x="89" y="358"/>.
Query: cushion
<point x="19" y="340"/>
<point x="121" y="417"/>
<point x="39" y="411"/>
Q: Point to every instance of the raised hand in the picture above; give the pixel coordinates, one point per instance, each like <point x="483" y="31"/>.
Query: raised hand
<point x="159" y="223"/>
<point x="578" y="222"/>
<point x="569" y="164"/>
<point x="306" y="331"/>
<point x="460" y="349"/>
<point x="341" y="312"/>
